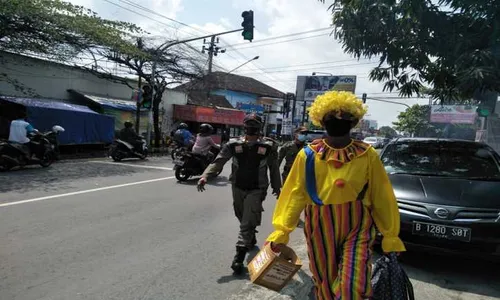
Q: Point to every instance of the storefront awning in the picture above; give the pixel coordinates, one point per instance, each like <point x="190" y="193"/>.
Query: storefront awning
<point x="119" y="104"/>
<point x="202" y="114"/>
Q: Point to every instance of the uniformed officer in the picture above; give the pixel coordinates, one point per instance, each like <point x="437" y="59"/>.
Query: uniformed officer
<point x="252" y="158"/>
<point x="289" y="150"/>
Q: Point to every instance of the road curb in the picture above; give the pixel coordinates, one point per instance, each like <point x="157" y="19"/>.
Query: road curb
<point x="299" y="288"/>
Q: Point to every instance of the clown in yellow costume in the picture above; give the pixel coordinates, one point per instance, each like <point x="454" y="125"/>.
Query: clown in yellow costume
<point x="345" y="193"/>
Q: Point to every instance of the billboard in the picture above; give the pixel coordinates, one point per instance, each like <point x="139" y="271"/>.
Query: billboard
<point x="453" y="114"/>
<point x="309" y="87"/>
<point x="314" y="86"/>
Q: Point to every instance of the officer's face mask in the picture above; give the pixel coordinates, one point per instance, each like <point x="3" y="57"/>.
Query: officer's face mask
<point x="252" y="131"/>
<point x="301" y="138"/>
<point x="336" y="127"/>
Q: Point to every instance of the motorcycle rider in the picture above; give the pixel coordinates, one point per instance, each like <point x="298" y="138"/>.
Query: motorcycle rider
<point x="183" y="136"/>
<point x="204" y="142"/>
<point x="18" y="134"/>
<point x="252" y="158"/>
<point x="129" y="135"/>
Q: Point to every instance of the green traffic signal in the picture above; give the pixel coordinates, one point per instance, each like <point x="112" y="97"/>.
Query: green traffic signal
<point x="247" y="25"/>
<point x="247" y="35"/>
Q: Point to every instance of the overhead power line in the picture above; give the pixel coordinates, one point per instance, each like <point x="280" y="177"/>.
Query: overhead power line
<point x="311" y="69"/>
<point x="285" y="41"/>
<point x="283" y="36"/>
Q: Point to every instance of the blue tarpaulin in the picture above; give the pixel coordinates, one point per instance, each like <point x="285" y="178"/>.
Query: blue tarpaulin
<point x="81" y="124"/>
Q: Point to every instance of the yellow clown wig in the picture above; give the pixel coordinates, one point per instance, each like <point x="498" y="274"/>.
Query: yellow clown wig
<point x="339" y="102"/>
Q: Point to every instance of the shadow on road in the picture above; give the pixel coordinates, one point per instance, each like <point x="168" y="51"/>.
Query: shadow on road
<point x="454" y="273"/>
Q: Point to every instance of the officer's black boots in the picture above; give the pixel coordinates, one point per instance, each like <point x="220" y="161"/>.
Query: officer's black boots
<point x="238" y="261"/>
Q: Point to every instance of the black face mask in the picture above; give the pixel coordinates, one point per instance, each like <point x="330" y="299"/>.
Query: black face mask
<point x="252" y="131"/>
<point x="336" y="127"/>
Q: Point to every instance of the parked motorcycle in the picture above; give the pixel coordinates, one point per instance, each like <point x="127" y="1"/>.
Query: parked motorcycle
<point x="42" y="146"/>
<point x="190" y="164"/>
<point x="121" y="149"/>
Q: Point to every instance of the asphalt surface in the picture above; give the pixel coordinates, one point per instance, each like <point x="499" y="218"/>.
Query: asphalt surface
<point x="94" y="229"/>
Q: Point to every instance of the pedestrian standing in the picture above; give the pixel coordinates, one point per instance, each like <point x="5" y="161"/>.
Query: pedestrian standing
<point x="252" y="158"/>
<point x="343" y="188"/>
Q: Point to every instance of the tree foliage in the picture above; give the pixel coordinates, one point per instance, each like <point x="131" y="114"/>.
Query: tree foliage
<point x="173" y="65"/>
<point x="388" y="132"/>
<point x="415" y="121"/>
<point x="453" y="45"/>
<point x="59" y="29"/>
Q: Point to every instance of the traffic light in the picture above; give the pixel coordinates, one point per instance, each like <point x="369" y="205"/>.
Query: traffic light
<point x="146" y="96"/>
<point x="288" y="100"/>
<point x="247" y="25"/>
<point x="364" y="98"/>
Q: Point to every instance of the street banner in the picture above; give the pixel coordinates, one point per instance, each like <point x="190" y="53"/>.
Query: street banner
<point x="453" y="114"/>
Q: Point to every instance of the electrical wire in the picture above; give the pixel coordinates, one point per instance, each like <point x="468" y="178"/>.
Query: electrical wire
<point x="283" y="36"/>
<point x="312" y="69"/>
<point x="281" y="42"/>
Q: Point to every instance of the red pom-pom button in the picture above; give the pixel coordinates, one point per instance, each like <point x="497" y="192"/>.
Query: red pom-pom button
<point x="337" y="164"/>
<point x="339" y="183"/>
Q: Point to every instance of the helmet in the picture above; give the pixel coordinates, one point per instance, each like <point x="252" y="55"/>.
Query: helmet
<point x="252" y="120"/>
<point x="183" y="126"/>
<point x="128" y="124"/>
<point x="206" y="128"/>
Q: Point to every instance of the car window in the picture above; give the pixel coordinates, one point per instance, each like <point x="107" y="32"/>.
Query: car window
<point x="441" y="159"/>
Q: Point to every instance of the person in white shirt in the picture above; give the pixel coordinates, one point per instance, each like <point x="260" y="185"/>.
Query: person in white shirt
<point x="19" y="130"/>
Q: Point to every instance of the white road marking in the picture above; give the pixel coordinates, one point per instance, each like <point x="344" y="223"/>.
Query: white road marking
<point x="130" y="165"/>
<point x="85" y="191"/>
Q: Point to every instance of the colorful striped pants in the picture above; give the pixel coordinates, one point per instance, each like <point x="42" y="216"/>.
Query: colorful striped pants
<point x="339" y="239"/>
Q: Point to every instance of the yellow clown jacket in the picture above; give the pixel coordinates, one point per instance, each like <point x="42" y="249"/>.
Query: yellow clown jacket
<point x="340" y="176"/>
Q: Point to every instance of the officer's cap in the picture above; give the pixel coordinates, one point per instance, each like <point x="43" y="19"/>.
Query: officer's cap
<point x="252" y="118"/>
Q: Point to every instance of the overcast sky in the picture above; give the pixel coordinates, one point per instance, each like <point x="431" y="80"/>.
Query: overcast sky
<point x="281" y="60"/>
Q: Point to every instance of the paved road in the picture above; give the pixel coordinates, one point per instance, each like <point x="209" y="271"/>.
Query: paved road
<point x="92" y="229"/>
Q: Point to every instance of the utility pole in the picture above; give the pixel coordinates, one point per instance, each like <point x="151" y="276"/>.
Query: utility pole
<point x="212" y="50"/>
<point x="138" y="107"/>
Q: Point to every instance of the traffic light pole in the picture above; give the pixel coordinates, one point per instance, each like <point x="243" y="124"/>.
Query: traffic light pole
<point x="160" y="49"/>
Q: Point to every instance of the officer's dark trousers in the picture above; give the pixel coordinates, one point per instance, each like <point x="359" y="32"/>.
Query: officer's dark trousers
<point x="248" y="209"/>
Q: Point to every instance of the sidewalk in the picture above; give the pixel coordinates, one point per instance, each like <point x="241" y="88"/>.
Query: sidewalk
<point x="299" y="288"/>
<point x="428" y="283"/>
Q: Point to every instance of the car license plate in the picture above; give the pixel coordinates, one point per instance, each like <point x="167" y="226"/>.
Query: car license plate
<point x="442" y="231"/>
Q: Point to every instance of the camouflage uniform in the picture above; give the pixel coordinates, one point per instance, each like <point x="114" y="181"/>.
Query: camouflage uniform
<point x="249" y="181"/>
<point x="288" y="152"/>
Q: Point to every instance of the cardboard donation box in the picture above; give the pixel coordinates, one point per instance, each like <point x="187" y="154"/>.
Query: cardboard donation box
<point x="273" y="270"/>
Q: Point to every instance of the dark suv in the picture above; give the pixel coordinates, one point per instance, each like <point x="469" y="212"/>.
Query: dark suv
<point x="448" y="193"/>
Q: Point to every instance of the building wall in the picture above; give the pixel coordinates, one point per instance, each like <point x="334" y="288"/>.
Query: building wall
<point x="171" y="97"/>
<point x="44" y="79"/>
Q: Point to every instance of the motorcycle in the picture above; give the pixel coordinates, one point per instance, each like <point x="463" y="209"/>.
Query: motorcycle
<point x="190" y="164"/>
<point x="179" y="150"/>
<point x="42" y="146"/>
<point x="121" y="149"/>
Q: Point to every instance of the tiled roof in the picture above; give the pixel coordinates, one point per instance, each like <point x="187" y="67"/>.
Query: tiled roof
<point x="232" y="82"/>
<point x="202" y="98"/>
